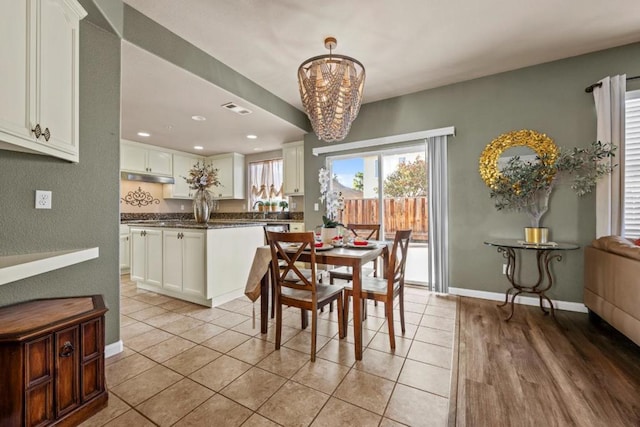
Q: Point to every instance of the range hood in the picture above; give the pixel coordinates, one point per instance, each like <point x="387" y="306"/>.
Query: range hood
<point x="129" y="176"/>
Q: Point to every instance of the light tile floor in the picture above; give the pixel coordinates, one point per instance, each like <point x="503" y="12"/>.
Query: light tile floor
<point x="188" y="365"/>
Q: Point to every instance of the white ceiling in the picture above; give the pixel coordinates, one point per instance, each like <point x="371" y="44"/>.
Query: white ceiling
<point x="405" y="46"/>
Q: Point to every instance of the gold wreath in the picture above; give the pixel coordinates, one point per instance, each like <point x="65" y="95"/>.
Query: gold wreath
<point x="544" y="147"/>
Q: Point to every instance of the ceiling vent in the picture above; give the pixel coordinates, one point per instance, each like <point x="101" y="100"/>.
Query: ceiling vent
<point x="236" y="108"/>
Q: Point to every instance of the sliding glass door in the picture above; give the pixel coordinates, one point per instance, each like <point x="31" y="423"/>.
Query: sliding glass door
<point x="390" y="188"/>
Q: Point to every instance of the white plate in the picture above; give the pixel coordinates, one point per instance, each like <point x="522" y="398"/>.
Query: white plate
<point x="369" y="245"/>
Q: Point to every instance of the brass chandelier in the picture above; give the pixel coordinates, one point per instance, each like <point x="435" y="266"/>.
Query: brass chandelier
<point x="331" y="91"/>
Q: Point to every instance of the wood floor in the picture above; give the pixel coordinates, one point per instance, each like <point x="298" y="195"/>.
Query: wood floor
<point x="530" y="371"/>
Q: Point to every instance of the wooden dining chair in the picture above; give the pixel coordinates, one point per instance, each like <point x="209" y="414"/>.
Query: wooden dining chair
<point x="296" y="287"/>
<point x="385" y="289"/>
<point x="282" y="228"/>
<point x="367" y="232"/>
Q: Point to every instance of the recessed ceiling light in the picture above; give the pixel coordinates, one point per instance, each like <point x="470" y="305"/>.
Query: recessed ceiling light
<point x="198" y="147"/>
<point x="145" y="134"/>
<point x="198" y="118"/>
<point x="252" y="136"/>
<point x="257" y="149"/>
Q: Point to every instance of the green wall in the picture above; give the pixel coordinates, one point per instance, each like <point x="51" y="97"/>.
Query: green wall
<point x="85" y="199"/>
<point x="549" y="98"/>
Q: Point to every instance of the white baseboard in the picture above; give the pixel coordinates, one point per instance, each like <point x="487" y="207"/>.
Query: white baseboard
<point x="113" y="349"/>
<point x="525" y="300"/>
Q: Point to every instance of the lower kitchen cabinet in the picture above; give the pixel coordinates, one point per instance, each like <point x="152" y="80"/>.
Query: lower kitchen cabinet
<point x="183" y="266"/>
<point x="207" y="267"/>
<point x="146" y="255"/>
<point x="52" y="361"/>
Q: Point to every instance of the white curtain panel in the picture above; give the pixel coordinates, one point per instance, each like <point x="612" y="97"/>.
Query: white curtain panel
<point x="438" y="215"/>
<point x="266" y="180"/>
<point x="610" y="109"/>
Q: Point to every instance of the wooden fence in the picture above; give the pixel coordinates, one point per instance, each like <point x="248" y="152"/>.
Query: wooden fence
<point x="401" y="213"/>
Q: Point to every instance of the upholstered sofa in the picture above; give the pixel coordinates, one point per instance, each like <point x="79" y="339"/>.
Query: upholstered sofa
<point x="612" y="283"/>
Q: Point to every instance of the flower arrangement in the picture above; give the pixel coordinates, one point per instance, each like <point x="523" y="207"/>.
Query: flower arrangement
<point x="333" y="200"/>
<point x="525" y="186"/>
<point x="202" y="176"/>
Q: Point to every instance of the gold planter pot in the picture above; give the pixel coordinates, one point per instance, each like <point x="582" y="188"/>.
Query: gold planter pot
<point x="536" y="234"/>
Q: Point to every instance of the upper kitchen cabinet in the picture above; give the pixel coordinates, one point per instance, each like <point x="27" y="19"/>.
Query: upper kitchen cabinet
<point x="146" y="159"/>
<point x="182" y="164"/>
<point x="39" y="85"/>
<point x="230" y="174"/>
<point x="293" y="155"/>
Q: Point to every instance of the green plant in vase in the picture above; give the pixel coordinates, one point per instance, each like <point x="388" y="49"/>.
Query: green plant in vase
<point x="283" y="204"/>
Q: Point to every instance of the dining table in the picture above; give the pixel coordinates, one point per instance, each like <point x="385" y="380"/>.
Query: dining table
<point x="349" y="256"/>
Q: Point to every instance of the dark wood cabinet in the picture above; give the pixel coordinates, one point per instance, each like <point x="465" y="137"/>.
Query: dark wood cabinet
<point x="52" y="361"/>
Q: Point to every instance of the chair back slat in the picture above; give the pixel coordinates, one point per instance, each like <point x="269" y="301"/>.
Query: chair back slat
<point x="366" y="231"/>
<point x="288" y="274"/>
<point x="398" y="258"/>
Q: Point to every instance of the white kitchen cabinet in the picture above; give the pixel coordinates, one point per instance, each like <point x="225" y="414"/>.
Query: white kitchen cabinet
<point x="293" y="159"/>
<point x="146" y="159"/>
<point x="146" y="256"/>
<point x="297" y="227"/>
<point x="184" y="262"/>
<point x="182" y="164"/>
<point x="125" y="252"/>
<point x="39" y="85"/>
<point x="231" y="174"/>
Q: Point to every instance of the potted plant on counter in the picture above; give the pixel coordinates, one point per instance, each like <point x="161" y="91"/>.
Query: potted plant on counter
<point x="525" y="186"/>
<point x="201" y="178"/>
<point x="283" y="204"/>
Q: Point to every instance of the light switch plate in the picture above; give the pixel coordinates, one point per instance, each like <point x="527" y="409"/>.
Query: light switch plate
<point x="43" y="199"/>
<point x="316" y="207"/>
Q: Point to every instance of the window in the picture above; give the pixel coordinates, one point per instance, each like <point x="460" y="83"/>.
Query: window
<point x="265" y="181"/>
<point x="632" y="166"/>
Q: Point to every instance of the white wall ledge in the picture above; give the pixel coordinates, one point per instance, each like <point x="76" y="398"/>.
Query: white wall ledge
<point x="17" y="267"/>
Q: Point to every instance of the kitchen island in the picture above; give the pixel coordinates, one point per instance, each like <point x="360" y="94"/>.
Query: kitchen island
<point x="206" y="264"/>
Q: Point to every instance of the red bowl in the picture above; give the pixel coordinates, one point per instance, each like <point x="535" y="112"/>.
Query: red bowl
<point x="319" y="244"/>
<point x="360" y="243"/>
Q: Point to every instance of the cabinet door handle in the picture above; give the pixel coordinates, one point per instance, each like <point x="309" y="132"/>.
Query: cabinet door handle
<point x="37" y="131"/>
<point x="46" y="134"/>
<point x="67" y="349"/>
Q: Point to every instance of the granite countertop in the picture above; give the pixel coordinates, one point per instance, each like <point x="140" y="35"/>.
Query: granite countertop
<point x="212" y="224"/>
<point x="222" y="218"/>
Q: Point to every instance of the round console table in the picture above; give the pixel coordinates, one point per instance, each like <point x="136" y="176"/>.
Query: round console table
<point x="511" y="250"/>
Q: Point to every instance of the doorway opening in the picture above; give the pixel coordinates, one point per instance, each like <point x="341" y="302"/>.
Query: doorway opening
<point x="390" y="188"/>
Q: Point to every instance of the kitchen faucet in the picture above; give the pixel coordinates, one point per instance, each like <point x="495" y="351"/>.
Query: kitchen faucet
<point x="253" y="212"/>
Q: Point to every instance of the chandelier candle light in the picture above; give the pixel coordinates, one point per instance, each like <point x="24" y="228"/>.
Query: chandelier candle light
<point x="331" y="91"/>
